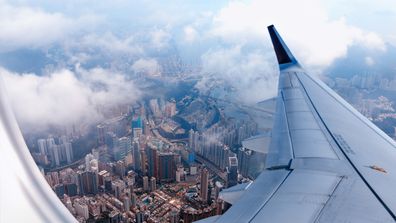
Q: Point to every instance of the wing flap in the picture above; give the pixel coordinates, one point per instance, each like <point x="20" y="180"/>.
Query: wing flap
<point x="233" y="194"/>
<point x="259" y="143"/>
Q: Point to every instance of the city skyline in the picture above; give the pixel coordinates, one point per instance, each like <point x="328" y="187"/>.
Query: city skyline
<point x="176" y="111"/>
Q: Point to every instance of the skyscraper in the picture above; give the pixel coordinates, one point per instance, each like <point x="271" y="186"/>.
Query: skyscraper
<point x="101" y="134"/>
<point x="152" y="161"/>
<point x="174" y="216"/>
<point x="50" y="142"/>
<point x="170" y="108"/>
<point x="87" y="182"/>
<point x="136" y="156"/>
<point x="244" y="157"/>
<point x="56" y="151"/>
<point x="191" y="139"/>
<point x="118" y="187"/>
<point x="167" y="167"/>
<point x="120" y="168"/>
<point x="127" y="203"/>
<point x="69" y="152"/>
<point x="143" y="161"/>
<point x="155" y="107"/>
<point x="137" y="127"/>
<point x="122" y="148"/>
<point x="139" y="217"/>
<point x="42" y="145"/>
<point x="88" y="159"/>
<point x="133" y="200"/>
<point x="232" y="172"/>
<point x="153" y="184"/>
<point x="145" y="183"/>
<point x="204" y="185"/>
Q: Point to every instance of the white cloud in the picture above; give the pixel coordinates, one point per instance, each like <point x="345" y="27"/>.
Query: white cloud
<point x="369" y="61"/>
<point x="32" y="27"/>
<point x="110" y="43"/>
<point x="62" y="99"/>
<point x="105" y="47"/>
<point x="160" y="38"/>
<point x="190" y="34"/>
<point x="305" y="26"/>
<point x="146" y="66"/>
<point x="251" y="73"/>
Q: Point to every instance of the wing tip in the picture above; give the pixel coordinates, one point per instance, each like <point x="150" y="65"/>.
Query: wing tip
<point x="282" y="52"/>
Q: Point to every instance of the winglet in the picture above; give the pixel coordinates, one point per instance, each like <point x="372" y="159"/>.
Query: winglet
<point x="283" y="53"/>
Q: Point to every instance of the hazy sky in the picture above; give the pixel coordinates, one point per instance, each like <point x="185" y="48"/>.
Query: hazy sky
<point x="86" y="43"/>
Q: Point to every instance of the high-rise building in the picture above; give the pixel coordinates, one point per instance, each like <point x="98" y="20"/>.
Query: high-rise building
<point x="133" y="200"/>
<point x="95" y="153"/>
<point x="137" y="127"/>
<point x="120" y="168"/>
<point x="102" y="176"/>
<point x="152" y="161"/>
<point x="174" y="216"/>
<point x="155" y="107"/>
<point x="114" y="216"/>
<point x="108" y="184"/>
<point x="81" y="208"/>
<point x="153" y="184"/>
<point x="69" y="152"/>
<point x="244" y="157"/>
<point x="167" y="167"/>
<point x="56" y="154"/>
<point x="204" y="185"/>
<point x="118" y="187"/>
<point x="191" y="139"/>
<point x="42" y="145"/>
<point x="70" y="189"/>
<point x="179" y="174"/>
<point x="136" y="156"/>
<point x="130" y="183"/>
<point x="50" y="142"/>
<point x="122" y="148"/>
<point x="170" y="108"/>
<point x="218" y="187"/>
<point x="232" y="172"/>
<point x="63" y="139"/>
<point x="127" y="203"/>
<point x="87" y="182"/>
<point x="394" y="132"/>
<point x="101" y="133"/>
<point x="139" y="217"/>
<point x="145" y="183"/>
<point x="143" y="161"/>
<point x="88" y="158"/>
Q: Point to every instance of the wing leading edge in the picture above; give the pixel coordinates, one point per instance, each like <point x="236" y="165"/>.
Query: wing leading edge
<point x="25" y="196"/>
<point x="326" y="162"/>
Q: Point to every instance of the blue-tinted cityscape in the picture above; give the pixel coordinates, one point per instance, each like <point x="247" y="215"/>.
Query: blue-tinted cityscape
<point x="146" y="111"/>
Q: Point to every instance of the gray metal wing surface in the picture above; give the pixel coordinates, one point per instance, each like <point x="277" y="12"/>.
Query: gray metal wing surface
<point x="326" y="161"/>
<point x="25" y="196"/>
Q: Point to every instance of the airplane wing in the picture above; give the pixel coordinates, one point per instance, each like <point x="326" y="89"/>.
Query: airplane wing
<point x="25" y="196"/>
<point x="326" y="162"/>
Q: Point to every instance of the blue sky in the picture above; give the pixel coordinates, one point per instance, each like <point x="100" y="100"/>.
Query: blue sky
<point x="83" y="42"/>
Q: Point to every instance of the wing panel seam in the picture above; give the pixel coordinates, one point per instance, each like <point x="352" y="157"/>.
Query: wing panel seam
<point x="280" y="185"/>
<point x="346" y="156"/>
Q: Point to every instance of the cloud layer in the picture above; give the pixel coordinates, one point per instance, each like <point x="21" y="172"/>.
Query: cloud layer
<point x="306" y="26"/>
<point x="94" y="50"/>
<point x="64" y="98"/>
<point x="33" y="27"/>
